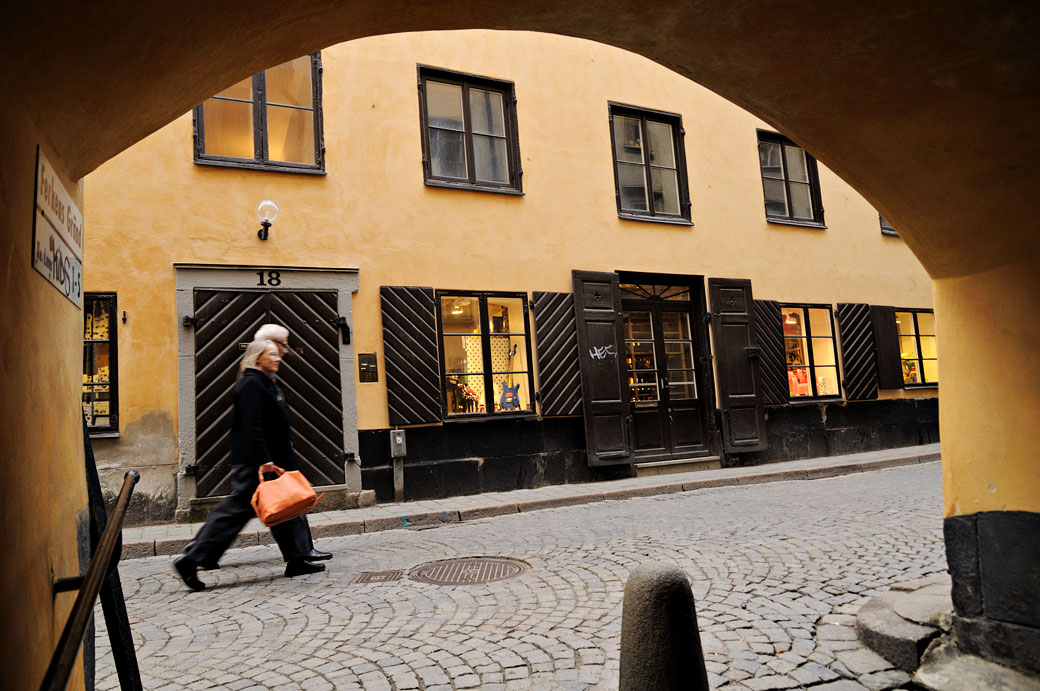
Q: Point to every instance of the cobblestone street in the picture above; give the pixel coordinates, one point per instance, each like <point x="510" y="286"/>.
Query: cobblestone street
<point x="778" y="571"/>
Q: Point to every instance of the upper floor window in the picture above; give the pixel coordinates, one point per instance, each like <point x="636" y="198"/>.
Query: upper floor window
<point x="270" y="121"/>
<point x="649" y="165"/>
<point x="100" y="399"/>
<point x="486" y="353"/>
<point x="469" y="132"/>
<point x="886" y="227"/>
<point x="812" y="357"/>
<point x="916" y="329"/>
<point x="790" y="181"/>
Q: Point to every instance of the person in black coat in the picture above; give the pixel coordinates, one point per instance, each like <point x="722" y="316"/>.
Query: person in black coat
<point x="260" y="439"/>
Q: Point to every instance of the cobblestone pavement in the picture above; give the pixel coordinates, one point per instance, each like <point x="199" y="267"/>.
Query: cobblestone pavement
<point x="778" y="571"/>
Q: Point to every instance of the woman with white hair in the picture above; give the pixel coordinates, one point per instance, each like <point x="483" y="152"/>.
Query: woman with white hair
<point x="260" y="439"/>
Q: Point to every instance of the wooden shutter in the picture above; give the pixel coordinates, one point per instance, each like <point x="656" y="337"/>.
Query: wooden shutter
<point x="886" y="345"/>
<point x="737" y="356"/>
<point x="772" y="366"/>
<point x="604" y="392"/>
<point x="559" y="374"/>
<point x="413" y="391"/>
<point x="858" y="357"/>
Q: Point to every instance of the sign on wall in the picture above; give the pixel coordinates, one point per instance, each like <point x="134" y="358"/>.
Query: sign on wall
<point x="57" y="250"/>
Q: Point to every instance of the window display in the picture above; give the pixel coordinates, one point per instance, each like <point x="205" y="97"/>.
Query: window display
<point x="917" y="353"/>
<point x="809" y="348"/>
<point x="99" y="355"/>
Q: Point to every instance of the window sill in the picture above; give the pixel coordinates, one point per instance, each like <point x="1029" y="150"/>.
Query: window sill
<point x="252" y="165"/>
<point x="510" y="191"/>
<point x="918" y="387"/>
<point x="104" y="435"/>
<point x="792" y="222"/>
<point x="801" y="400"/>
<point x="484" y="417"/>
<point x="656" y="219"/>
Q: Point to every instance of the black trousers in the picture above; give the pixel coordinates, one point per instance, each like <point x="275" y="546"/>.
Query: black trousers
<point x="228" y="518"/>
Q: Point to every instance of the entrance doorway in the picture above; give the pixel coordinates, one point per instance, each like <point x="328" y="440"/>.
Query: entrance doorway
<point x="665" y="359"/>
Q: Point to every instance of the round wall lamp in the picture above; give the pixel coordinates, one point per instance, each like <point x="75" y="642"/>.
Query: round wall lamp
<point x="266" y="213"/>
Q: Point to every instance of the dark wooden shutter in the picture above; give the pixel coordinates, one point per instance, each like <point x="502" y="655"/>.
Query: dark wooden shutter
<point x="604" y="392"/>
<point x="737" y="356"/>
<point x="857" y="351"/>
<point x="413" y="391"/>
<point x="559" y="374"/>
<point x="886" y="346"/>
<point x="772" y="365"/>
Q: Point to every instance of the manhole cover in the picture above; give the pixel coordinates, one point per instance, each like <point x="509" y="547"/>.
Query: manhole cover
<point x="468" y="570"/>
<point x="378" y="576"/>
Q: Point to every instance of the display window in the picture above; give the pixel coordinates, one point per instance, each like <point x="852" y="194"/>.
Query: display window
<point x="486" y="353"/>
<point x="99" y="363"/>
<point x="917" y="352"/>
<point x="810" y="351"/>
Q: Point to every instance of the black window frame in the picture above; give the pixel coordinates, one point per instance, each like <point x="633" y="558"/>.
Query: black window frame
<point x="673" y="120"/>
<point x="917" y="341"/>
<point x="485" y="345"/>
<point x="260" y="160"/>
<point x="465" y="80"/>
<point x="810" y="355"/>
<point x="812" y="170"/>
<point x="886" y="227"/>
<point x="110" y="299"/>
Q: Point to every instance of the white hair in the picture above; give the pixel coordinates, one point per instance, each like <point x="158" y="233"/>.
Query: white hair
<point x="271" y="332"/>
<point x="253" y="352"/>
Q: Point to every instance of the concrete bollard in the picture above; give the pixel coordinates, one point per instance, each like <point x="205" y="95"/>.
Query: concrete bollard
<point x="660" y="642"/>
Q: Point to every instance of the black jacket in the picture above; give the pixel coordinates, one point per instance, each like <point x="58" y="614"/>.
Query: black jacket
<point x="260" y="423"/>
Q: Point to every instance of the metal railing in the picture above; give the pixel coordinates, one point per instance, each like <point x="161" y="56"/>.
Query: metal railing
<point x="102" y="563"/>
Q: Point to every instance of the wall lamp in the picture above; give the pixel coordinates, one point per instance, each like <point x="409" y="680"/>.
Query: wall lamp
<point x="266" y="212"/>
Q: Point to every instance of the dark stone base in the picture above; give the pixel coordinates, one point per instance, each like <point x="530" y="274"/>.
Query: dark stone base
<point x="144" y="509"/>
<point x="994" y="559"/>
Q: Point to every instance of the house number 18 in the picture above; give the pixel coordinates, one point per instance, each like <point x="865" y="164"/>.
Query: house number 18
<point x="269" y="278"/>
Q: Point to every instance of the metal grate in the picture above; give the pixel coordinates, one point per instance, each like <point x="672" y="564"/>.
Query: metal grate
<point x="378" y="576"/>
<point x="468" y="570"/>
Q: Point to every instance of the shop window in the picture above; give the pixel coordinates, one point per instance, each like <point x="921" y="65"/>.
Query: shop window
<point x="469" y="132"/>
<point x="100" y="399"/>
<point x="486" y="353"/>
<point x="886" y="227"/>
<point x="270" y="121"/>
<point x="809" y="348"/>
<point x="917" y="353"/>
<point x="649" y="165"/>
<point x="790" y="181"/>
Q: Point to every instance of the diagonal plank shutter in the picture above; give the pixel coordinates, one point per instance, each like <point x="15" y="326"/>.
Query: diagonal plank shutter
<point x="604" y="391"/>
<point x="559" y="373"/>
<point x="410" y="354"/>
<point x="857" y="351"/>
<point x="737" y="356"/>
<point x="886" y="345"/>
<point x="772" y="366"/>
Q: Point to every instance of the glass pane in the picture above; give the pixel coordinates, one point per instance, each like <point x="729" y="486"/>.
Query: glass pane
<point x="643" y="386"/>
<point x="463" y="354"/>
<point x="490" y="159"/>
<point x="666" y="191"/>
<point x="290" y="135"/>
<point x="798" y="382"/>
<point x="639" y="355"/>
<point x="242" y="89"/>
<point x="823" y="351"/>
<point x="792" y="317"/>
<point x="228" y="128"/>
<point x="444" y="106"/>
<point x="911" y="375"/>
<point x="820" y="321"/>
<point x="675" y="324"/>
<point x="628" y="143"/>
<point x="460" y="314"/>
<point x="926" y="323"/>
<point x="508" y="354"/>
<point x="638" y="326"/>
<point x="486" y="113"/>
<point x="776" y="197"/>
<point x="904" y="322"/>
<point x="678" y="389"/>
<point x="769" y="159"/>
<point x="796" y="351"/>
<point x="662" y="144"/>
<point x="801" y="201"/>
<point x="95" y="364"/>
<point x="907" y="347"/>
<point x="928" y="347"/>
<point x="447" y="154"/>
<point x="827" y="381"/>
<point x="506" y="315"/>
<point x="678" y="355"/>
<point x="632" y="184"/>
<point x="673" y="292"/>
<point x="796" y="167"/>
<point x="290" y="83"/>
<point x="97" y="324"/>
<point x="512" y="393"/>
<point x="464" y="394"/>
<point x="931" y="371"/>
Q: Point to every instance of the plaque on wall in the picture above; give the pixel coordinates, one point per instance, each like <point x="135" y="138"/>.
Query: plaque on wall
<point x="368" y="371"/>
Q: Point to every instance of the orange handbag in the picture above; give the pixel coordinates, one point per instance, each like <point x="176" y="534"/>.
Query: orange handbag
<point x="283" y="499"/>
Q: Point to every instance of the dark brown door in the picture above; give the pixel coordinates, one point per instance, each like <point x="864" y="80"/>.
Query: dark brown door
<point x="224" y="322"/>
<point x="664" y="383"/>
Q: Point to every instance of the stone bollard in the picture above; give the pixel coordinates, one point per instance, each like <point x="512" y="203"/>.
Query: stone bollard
<point x="660" y="643"/>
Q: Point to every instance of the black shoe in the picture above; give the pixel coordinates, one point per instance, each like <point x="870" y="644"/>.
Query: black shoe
<point x="315" y="555"/>
<point x="186" y="569"/>
<point x="301" y="567"/>
<point x="209" y="565"/>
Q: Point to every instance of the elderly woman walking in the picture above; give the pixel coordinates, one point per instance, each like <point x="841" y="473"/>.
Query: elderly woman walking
<point x="260" y="439"/>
